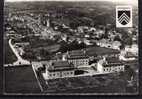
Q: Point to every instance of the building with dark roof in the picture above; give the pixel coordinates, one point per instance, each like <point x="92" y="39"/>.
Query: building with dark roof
<point x="102" y="51"/>
<point x="60" y="69"/>
<point x="109" y="65"/>
<point x="82" y="57"/>
<point x="130" y="55"/>
<point x="77" y="57"/>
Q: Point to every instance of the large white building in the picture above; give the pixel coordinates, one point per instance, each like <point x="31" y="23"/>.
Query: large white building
<point x="77" y="58"/>
<point x="60" y="69"/>
<point x="110" y="65"/>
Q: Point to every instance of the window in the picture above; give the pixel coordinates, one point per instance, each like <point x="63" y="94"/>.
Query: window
<point x="67" y="73"/>
<point x="119" y="68"/>
<point x="104" y="69"/>
<point x="53" y="74"/>
<point x="71" y="72"/>
<point x="58" y="74"/>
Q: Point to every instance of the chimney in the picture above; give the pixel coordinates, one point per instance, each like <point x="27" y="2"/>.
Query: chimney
<point x="84" y="51"/>
<point x="64" y="57"/>
<point x="104" y="59"/>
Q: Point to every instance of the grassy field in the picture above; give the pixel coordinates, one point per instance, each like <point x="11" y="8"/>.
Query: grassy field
<point x="111" y="84"/>
<point x="97" y="84"/>
<point x="20" y="80"/>
<point x="9" y="56"/>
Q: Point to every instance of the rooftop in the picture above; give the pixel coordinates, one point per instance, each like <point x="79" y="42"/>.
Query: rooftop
<point x="92" y="51"/>
<point x="77" y="54"/>
<point x="130" y="55"/>
<point x="112" y="61"/>
<point x="113" y="65"/>
<point x="77" y="57"/>
<point x="100" y="51"/>
<point x="60" y="66"/>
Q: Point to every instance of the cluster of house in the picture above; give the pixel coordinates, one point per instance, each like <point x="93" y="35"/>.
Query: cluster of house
<point x="109" y="44"/>
<point x="66" y="67"/>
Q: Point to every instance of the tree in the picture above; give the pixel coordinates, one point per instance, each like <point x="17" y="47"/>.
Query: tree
<point x="128" y="41"/>
<point x="44" y="53"/>
<point x="117" y="38"/>
<point x="29" y="55"/>
<point x="122" y="46"/>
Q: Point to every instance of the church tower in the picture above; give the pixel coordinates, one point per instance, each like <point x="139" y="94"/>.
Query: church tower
<point x="48" y="21"/>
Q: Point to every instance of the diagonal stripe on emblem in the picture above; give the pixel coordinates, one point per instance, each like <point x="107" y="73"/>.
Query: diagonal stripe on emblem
<point x="123" y="15"/>
<point x="123" y="18"/>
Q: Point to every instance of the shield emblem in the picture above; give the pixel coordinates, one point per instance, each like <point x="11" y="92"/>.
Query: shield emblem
<point x="124" y="17"/>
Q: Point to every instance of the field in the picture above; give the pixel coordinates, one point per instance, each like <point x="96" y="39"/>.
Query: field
<point x="9" y="55"/>
<point x="20" y="80"/>
<point x="111" y="83"/>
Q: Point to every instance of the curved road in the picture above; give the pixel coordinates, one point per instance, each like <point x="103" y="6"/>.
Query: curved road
<point x="20" y="60"/>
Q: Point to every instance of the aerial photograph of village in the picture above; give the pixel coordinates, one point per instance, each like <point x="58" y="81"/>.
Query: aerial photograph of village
<point x="69" y="48"/>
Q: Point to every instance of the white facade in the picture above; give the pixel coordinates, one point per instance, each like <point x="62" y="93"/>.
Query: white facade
<point x="78" y="62"/>
<point x="47" y="23"/>
<point x="113" y="69"/>
<point x="36" y="65"/>
<point x="99" y="67"/>
<point x="40" y="64"/>
<point x="59" y="74"/>
<point x="109" y="69"/>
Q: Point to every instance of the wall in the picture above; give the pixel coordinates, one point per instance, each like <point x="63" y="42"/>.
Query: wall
<point x="61" y="74"/>
<point x="78" y="62"/>
<point x="113" y="69"/>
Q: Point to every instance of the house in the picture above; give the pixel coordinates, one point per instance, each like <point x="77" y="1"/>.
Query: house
<point x="99" y="33"/>
<point x="110" y="65"/>
<point x="109" y="44"/>
<point x="127" y="56"/>
<point x="92" y="29"/>
<point x="38" y="64"/>
<point x="87" y="42"/>
<point x="60" y="69"/>
<point x="130" y="56"/>
<point x="81" y="29"/>
<point x="116" y="45"/>
<point x="133" y="49"/>
<point x="103" y="43"/>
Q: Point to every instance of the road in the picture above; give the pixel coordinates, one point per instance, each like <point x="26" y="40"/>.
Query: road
<point x="37" y="78"/>
<point x="20" y="60"/>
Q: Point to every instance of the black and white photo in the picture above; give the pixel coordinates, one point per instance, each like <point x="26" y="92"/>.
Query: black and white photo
<point x="71" y="47"/>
